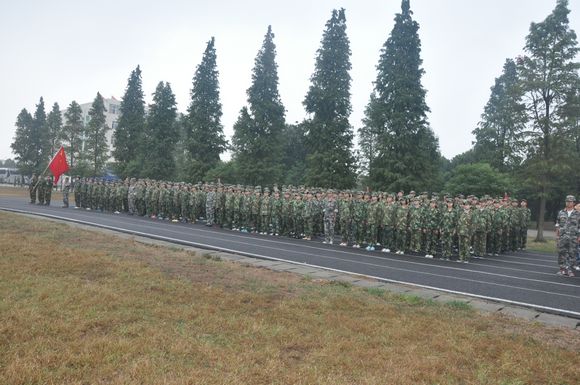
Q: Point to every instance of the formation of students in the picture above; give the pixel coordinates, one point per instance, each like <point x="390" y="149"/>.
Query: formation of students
<point x="433" y="226"/>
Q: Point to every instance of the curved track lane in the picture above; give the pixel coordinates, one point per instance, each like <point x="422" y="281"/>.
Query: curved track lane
<point x="521" y="278"/>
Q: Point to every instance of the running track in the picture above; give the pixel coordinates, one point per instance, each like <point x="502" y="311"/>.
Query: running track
<point x="522" y="278"/>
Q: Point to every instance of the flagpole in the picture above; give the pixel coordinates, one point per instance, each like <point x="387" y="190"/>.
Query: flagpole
<point x="47" y="166"/>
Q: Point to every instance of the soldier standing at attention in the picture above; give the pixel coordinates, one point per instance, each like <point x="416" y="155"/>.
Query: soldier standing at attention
<point x="568" y="236"/>
<point x="330" y="211"/>
<point x="448" y="229"/>
<point x="47" y="190"/>
<point x="210" y="206"/>
<point x="525" y="216"/>
<point x="32" y="187"/>
<point x="77" y="191"/>
<point x="40" y="190"/>
<point x="65" y="192"/>
<point x="464" y="229"/>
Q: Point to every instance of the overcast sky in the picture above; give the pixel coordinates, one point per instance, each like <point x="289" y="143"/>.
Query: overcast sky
<point x="68" y="50"/>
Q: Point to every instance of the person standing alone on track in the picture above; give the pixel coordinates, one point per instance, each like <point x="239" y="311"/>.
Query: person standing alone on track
<point x="567" y="235"/>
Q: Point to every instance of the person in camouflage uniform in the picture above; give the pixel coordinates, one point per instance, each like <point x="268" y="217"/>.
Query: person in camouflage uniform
<point x="76" y="187"/>
<point x="480" y="225"/>
<point x="329" y="213"/>
<point x="568" y="236"/>
<point x="448" y="229"/>
<point x="373" y="221"/>
<point x="525" y="217"/>
<point x="308" y="215"/>
<point x="47" y="190"/>
<point x="32" y="188"/>
<point x="359" y="218"/>
<point x="65" y="192"/>
<point x="276" y="213"/>
<point x="389" y="222"/>
<point x="298" y="216"/>
<point x="416" y="225"/>
<point x="40" y="190"/>
<point x="432" y="226"/>
<point x="345" y="214"/>
<point x="265" y="212"/>
<point x="210" y="206"/>
<point x="464" y="229"/>
<point x="402" y="227"/>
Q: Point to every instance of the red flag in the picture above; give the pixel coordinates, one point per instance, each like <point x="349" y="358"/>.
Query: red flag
<point x="58" y="165"/>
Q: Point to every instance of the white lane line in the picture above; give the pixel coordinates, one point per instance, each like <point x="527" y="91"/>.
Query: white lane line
<point x="325" y="257"/>
<point x="279" y="241"/>
<point x="540" y="307"/>
<point x="212" y="236"/>
<point x="148" y="235"/>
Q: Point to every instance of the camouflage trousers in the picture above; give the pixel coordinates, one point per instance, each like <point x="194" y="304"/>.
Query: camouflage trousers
<point x="388" y="238"/>
<point x="77" y="199"/>
<point x="372" y="233"/>
<point x="479" y="240"/>
<point x="329" y="230"/>
<point x="431" y="241"/>
<point x="464" y="243"/>
<point x="446" y="244"/>
<point x="495" y="242"/>
<point x="567" y="246"/>
<point x="416" y="236"/>
<point x="401" y="238"/>
<point x="65" y="198"/>
<point x="32" y="192"/>
<point x="523" y="238"/>
<point x="209" y="215"/>
<point x="345" y="230"/>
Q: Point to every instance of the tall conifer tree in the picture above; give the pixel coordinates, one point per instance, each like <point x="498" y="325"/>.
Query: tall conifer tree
<point x="54" y="129"/>
<point x="500" y="134"/>
<point x="257" y="137"/>
<point x="128" y="135"/>
<point x="549" y="72"/>
<point x="330" y="162"/>
<point x="39" y="137"/>
<point x="72" y="132"/>
<point x="96" y="147"/>
<point x="26" y="154"/>
<point x="406" y="155"/>
<point x="161" y="135"/>
<point x="205" y="137"/>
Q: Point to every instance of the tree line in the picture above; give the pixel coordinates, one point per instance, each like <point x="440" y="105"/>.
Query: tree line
<point x="527" y="142"/>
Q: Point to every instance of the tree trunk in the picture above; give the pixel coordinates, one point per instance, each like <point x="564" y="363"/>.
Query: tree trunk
<point x="541" y="215"/>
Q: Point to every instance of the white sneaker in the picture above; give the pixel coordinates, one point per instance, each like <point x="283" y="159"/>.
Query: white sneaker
<point x="324" y="242"/>
<point x="385" y="250"/>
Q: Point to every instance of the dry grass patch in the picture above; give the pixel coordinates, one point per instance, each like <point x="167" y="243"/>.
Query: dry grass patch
<point x="82" y="307"/>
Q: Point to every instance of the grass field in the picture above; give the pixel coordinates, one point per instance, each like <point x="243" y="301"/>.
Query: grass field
<point x="83" y="307"/>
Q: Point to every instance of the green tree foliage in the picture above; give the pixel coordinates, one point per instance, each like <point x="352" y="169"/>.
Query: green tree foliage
<point x="548" y="72"/>
<point x="96" y="147"/>
<point x="26" y="154"/>
<point x="500" y="133"/>
<point x="161" y="135"/>
<point x="128" y="135"/>
<point x="72" y="133"/>
<point x="478" y="179"/>
<point x="205" y="137"/>
<point x="294" y="154"/>
<point x="39" y="137"/>
<point x="407" y="152"/>
<point x="54" y="129"/>
<point x="330" y="162"/>
<point x="257" y="142"/>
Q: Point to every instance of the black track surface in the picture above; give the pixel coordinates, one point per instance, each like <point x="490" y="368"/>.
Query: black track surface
<point x="524" y="278"/>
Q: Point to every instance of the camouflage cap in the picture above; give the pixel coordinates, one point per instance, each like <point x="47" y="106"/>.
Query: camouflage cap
<point x="570" y="198"/>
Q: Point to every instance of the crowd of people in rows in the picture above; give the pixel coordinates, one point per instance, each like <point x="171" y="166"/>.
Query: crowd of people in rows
<point x="432" y="225"/>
